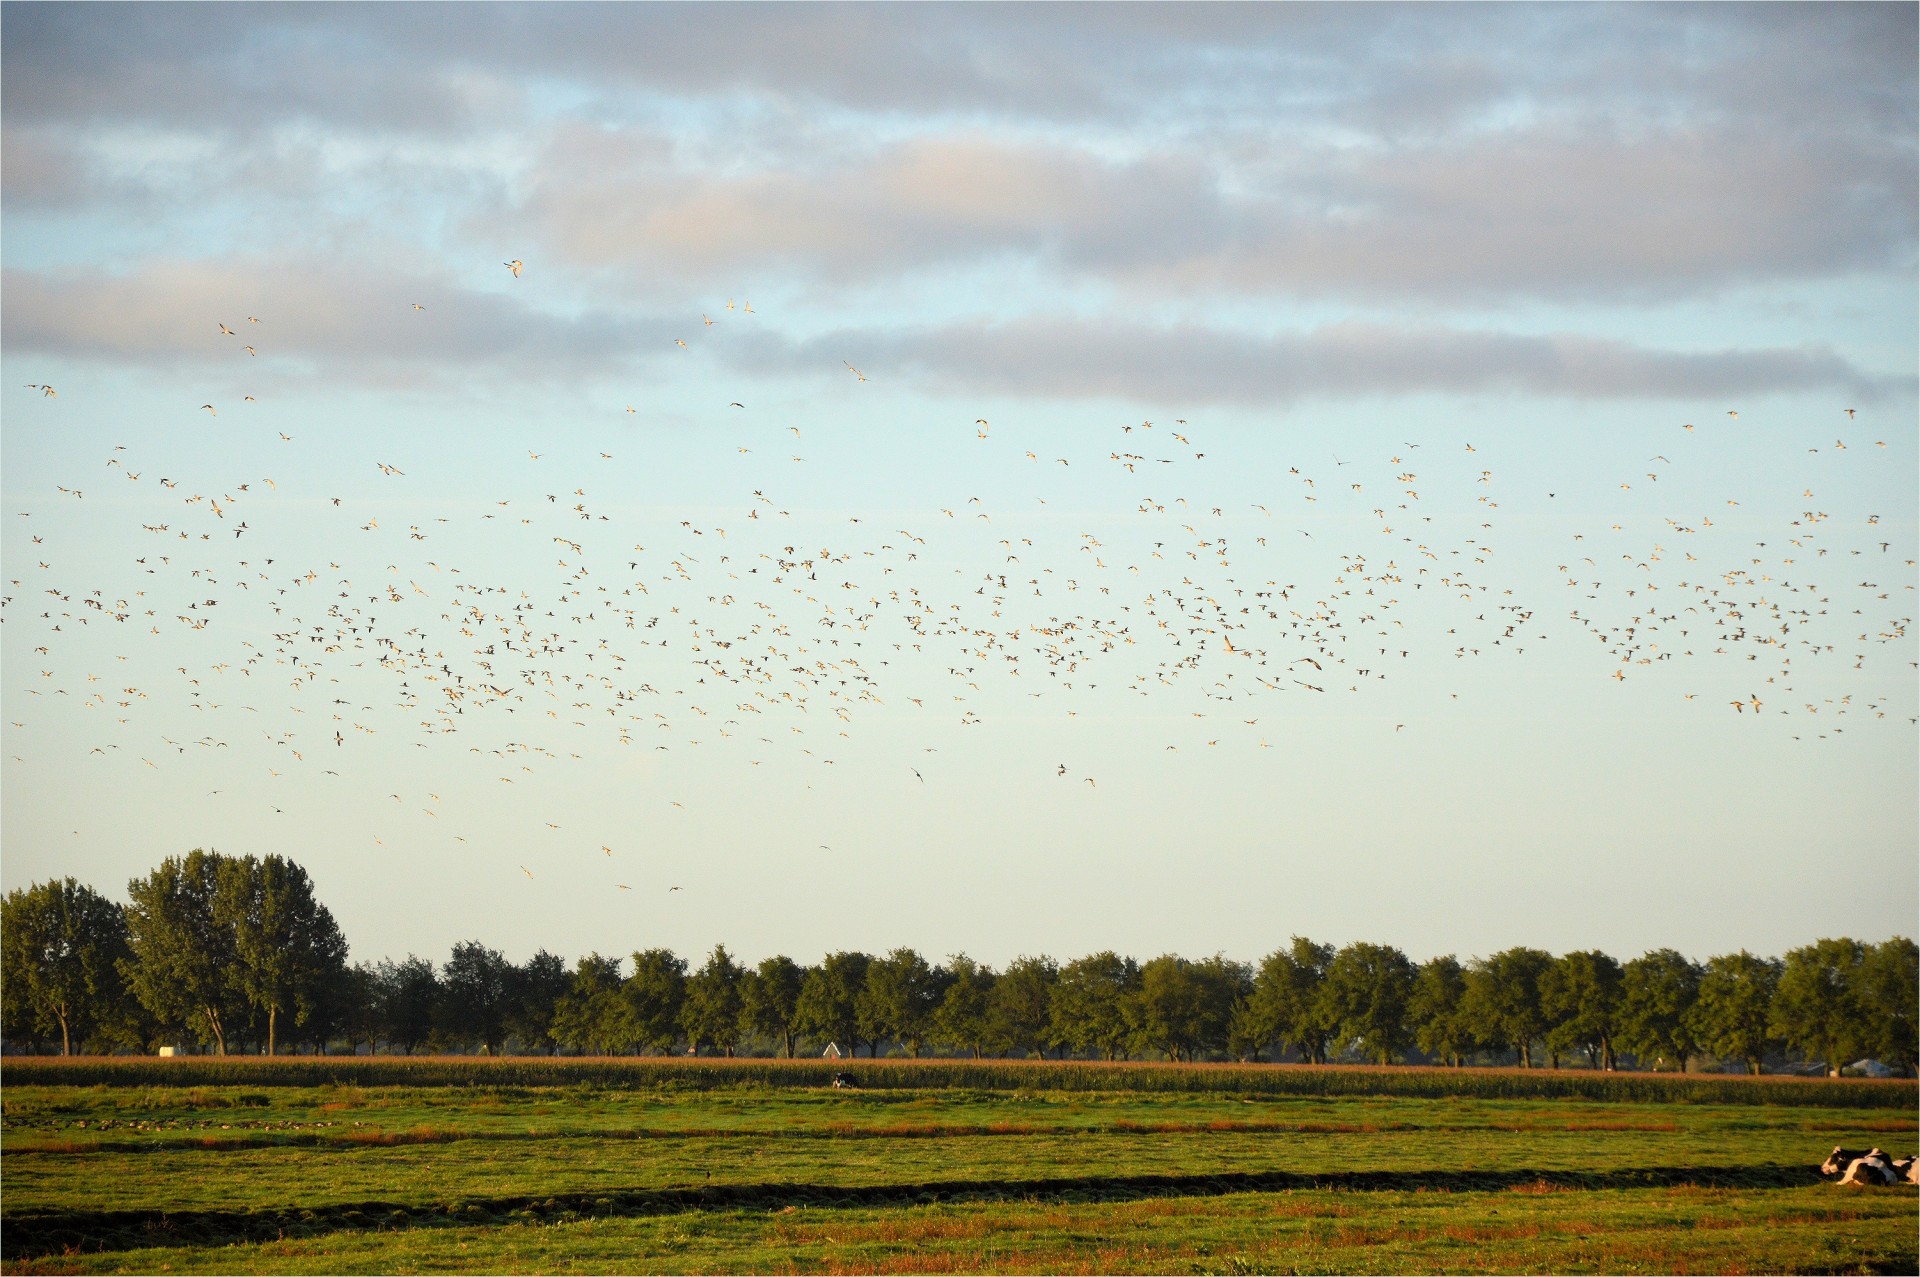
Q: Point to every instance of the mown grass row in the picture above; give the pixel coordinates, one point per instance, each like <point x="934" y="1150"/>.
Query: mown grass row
<point x="1525" y="1228"/>
<point x="981" y="1075"/>
<point x="34" y="1233"/>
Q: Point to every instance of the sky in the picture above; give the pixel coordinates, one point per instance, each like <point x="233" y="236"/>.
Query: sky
<point x="997" y="479"/>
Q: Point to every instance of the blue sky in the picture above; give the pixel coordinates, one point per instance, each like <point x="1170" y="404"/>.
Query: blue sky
<point x="1361" y="541"/>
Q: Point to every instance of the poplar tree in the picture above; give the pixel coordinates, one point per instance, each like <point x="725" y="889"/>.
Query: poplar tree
<point x="62" y="943"/>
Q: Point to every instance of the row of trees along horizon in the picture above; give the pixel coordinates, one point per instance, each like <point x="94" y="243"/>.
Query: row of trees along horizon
<point x="236" y="954"/>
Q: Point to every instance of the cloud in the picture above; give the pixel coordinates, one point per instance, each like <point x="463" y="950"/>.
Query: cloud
<point x="339" y="321"/>
<point x="1192" y="364"/>
<point x="1378" y="68"/>
<point x="1452" y="154"/>
<point x="924" y="203"/>
<point x="357" y="322"/>
<point x="1531" y="214"/>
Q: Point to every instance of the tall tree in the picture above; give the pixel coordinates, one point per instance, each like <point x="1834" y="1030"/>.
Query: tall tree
<point x="828" y="996"/>
<point x="1089" y="1006"/>
<point x="1657" y="992"/>
<point x="183" y="962"/>
<point x="1502" y="999"/>
<point x="534" y="990"/>
<point x="1225" y="987"/>
<point x="593" y="1017"/>
<point x="1286" y="1003"/>
<point x="655" y="993"/>
<point x="711" y="1014"/>
<point x="1020" y="1010"/>
<point x="474" y="987"/>
<point x="1440" y="1028"/>
<point x="62" y="944"/>
<point x="1170" y="1010"/>
<point x="288" y="951"/>
<point x="962" y="1019"/>
<point x="1729" y="1017"/>
<point x="1816" y="1008"/>
<point x="407" y="996"/>
<point x="770" y="1000"/>
<point x="1580" y="996"/>
<point x="1887" y="985"/>
<point x="899" y="998"/>
<point x="1366" y="992"/>
<point x="358" y="1017"/>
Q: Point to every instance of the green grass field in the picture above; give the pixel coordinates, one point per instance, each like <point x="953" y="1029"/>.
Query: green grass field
<point x="755" y="1166"/>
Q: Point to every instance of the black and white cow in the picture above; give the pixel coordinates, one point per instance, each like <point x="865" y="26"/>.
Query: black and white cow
<point x="1838" y="1161"/>
<point x="1875" y="1168"/>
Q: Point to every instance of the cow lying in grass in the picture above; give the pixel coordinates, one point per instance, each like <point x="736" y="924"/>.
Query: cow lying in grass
<point x="844" y="1080"/>
<point x="1871" y="1167"/>
<point x="1838" y="1161"/>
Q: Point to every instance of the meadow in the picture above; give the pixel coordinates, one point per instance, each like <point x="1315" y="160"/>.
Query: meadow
<point x="447" y="1165"/>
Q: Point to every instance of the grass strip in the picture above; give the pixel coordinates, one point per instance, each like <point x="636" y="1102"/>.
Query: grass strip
<point x="31" y="1233"/>
<point x="978" y="1075"/>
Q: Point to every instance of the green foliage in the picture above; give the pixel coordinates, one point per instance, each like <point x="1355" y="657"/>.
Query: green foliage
<point x="1730" y="1017"/>
<point x="961" y="1019"/>
<point x="406" y="995"/>
<point x="1887" y="990"/>
<point x="1089" y="1005"/>
<point x="475" y="986"/>
<point x="1366" y="991"/>
<point x="1815" y="1007"/>
<point x="710" y="1015"/>
<point x="593" y="1017"/>
<point x="1020" y="1007"/>
<point x="1434" y="1009"/>
<point x="286" y="945"/>
<point x="829" y="994"/>
<point x="61" y="944"/>
<point x="1580" y="998"/>
<point x="656" y="993"/>
<point x="1657" y="994"/>
<point x="1286" y="1006"/>
<point x="1501" y="1001"/>
<point x="899" y="998"/>
<point x="534" y="990"/>
<point x="770" y="1000"/>
<point x="184" y="956"/>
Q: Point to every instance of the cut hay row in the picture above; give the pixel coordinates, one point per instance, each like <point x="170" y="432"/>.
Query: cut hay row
<point x="627" y="1073"/>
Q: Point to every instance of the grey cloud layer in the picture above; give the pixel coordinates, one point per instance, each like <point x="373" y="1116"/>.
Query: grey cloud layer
<point x="1387" y="162"/>
<point x="1538" y="214"/>
<point x="1372" y="66"/>
<point x="342" y="322"/>
<point x="1193" y="364"/>
<point x="1461" y="153"/>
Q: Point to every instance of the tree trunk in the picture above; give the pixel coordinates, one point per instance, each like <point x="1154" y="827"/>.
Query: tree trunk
<point x="272" y="1013"/>
<point x="66" y="1044"/>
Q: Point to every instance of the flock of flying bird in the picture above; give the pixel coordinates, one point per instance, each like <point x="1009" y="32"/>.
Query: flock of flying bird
<point x="542" y="623"/>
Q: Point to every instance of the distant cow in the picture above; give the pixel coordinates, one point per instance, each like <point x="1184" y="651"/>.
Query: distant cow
<point x="844" y="1081"/>
<point x="1907" y="1169"/>
<point x="1841" y="1158"/>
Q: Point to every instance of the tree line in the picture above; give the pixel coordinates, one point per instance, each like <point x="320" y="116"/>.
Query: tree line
<point x="237" y="954"/>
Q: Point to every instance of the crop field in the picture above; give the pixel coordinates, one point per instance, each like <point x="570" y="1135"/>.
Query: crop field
<point x="343" y="1165"/>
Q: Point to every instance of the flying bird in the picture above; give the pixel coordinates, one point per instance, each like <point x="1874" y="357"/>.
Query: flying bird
<point x="514" y="266"/>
